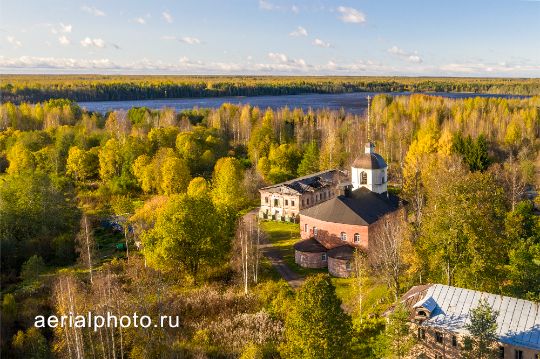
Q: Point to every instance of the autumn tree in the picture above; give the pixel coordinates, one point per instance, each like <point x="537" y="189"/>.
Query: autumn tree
<point x="389" y="250"/>
<point x="82" y="164"/>
<point x="188" y="233"/>
<point x="316" y="326"/>
<point x="227" y="182"/>
<point x="86" y="245"/>
<point x="461" y="240"/>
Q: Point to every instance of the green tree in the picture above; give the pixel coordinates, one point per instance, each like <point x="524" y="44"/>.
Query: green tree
<point x="316" y="326"/>
<point x="483" y="332"/>
<point x="227" y="188"/>
<point x="32" y="268"/>
<point x="461" y="241"/>
<point x="188" y="233"/>
<point x="310" y="161"/>
<point x="396" y="340"/>
<point x="30" y="344"/>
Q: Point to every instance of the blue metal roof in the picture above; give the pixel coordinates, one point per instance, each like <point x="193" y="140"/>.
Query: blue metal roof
<point x="518" y="322"/>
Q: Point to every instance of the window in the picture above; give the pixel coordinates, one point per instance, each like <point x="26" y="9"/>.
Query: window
<point x="303" y="203"/>
<point x="438" y="337"/>
<point x="518" y="354"/>
<point x="315" y="231"/>
<point x="307" y="201"/>
<point x="422" y="313"/>
<point x="286" y="202"/>
<point x="363" y="178"/>
<point x="276" y="202"/>
<point x="292" y="203"/>
<point x="323" y="256"/>
<point x="306" y="227"/>
<point x="501" y="352"/>
<point x="343" y="236"/>
<point x="265" y="199"/>
<point x="421" y="333"/>
<point x="357" y="238"/>
<point x="348" y="266"/>
<point x="454" y="341"/>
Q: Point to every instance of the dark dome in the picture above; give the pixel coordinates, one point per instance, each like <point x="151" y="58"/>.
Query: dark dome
<point x="372" y="161"/>
<point x="342" y="252"/>
<point x="309" y="245"/>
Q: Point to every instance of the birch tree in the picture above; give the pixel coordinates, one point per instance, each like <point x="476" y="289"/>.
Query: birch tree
<point x="86" y="245"/>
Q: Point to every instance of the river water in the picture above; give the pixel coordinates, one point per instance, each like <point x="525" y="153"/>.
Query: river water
<point x="354" y="102"/>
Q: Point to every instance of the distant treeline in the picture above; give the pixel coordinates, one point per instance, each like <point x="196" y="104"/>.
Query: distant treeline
<point x="36" y="88"/>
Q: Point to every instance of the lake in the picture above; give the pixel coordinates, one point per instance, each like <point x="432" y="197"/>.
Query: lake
<point x="355" y="102"/>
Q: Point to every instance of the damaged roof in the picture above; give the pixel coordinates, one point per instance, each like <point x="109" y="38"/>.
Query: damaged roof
<point x="308" y="183"/>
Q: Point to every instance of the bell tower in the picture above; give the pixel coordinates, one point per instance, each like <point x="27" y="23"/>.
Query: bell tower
<point x="369" y="169"/>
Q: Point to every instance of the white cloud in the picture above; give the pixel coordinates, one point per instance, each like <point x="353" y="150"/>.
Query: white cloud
<point x="300" y="31"/>
<point x="351" y="15"/>
<point x="278" y="57"/>
<point x="405" y="55"/>
<point x="265" y="5"/>
<point x="321" y="43"/>
<point x="66" y="29"/>
<point x="13" y="41"/>
<point x="88" y="42"/>
<point x="167" y="17"/>
<point x="278" y="63"/>
<point x="168" y="37"/>
<point x="269" y="6"/>
<point x="92" y="10"/>
<point x="63" y="40"/>
<point x="140" y="20"/>
<point x="190" y="40"/>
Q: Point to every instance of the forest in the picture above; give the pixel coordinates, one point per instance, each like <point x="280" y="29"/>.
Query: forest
<point x="37" y="88"/>
<point x="142" y="211"/>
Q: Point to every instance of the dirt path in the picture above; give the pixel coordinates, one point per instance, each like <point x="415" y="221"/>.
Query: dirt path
<point x="275" y="258"/>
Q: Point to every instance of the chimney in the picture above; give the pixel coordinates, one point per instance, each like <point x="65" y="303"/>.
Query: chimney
<point x="344" y="189"/>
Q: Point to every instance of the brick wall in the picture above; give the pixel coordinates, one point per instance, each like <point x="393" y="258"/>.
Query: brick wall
<point x="338" y="267"/>
<point x="329" y="233"/>
<point x="310" y="260"/>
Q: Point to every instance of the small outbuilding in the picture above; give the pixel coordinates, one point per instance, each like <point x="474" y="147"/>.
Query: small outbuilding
<point x="340" y="261"/>
<point x="309" y="253"/>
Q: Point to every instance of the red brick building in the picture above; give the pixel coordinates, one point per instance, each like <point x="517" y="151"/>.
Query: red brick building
<point x="346" y="219"/>
<point x="341" y="225"/>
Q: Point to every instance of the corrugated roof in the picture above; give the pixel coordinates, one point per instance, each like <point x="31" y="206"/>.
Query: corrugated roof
<point x="363" y="207"/>
<point x="518" y="322"/>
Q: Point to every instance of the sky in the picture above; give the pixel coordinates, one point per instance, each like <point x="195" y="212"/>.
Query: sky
<point x="488" y="38"/>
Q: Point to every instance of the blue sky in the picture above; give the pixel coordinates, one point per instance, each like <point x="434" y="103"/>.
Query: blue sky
<point x="272" y="37"/>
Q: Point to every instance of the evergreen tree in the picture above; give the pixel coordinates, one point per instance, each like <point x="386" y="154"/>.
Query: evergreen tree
<point x="310" y="161"/>
<point x="396" y="340"/>
<point x="316" y="326"/>
<point x="483" y="332"/>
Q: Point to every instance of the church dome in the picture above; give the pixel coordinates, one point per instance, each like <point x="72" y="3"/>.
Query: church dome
<point x="369" y="161"/>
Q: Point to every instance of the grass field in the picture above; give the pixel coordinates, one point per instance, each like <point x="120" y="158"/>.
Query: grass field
<point x="284" y="235"/>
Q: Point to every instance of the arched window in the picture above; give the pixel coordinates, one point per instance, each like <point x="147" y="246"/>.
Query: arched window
<point x="344" y="236"/>
<point x="363" y="178"/>
<point x="357" y="238"/>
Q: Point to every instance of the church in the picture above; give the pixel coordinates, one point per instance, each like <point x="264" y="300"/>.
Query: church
<point x="333" y="229"/>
